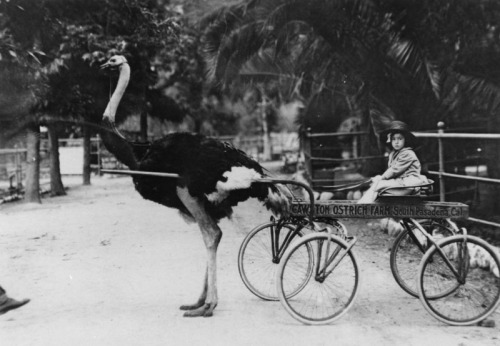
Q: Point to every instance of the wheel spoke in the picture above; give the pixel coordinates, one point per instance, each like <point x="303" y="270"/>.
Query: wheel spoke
<point x="406" y="255"/>
<point x="465" y="301"/>
<point x="256" y="261"/>
<point x="324" y="298"/>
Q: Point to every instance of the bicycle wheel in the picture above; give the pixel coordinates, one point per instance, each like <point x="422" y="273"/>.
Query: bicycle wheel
<point x="259" y="257"/>
<point x="330" y="291"/>
<point x="406" y="255"/>
<point x="473" y="286"/>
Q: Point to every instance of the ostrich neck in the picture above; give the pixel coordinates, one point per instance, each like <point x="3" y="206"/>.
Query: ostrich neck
<point x="115" y="144"/>
<point x="121" y="86"/>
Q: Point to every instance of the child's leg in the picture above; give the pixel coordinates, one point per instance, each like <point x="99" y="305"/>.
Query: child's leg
<point x="383" y="184"/>
<point x="371" y="194"/>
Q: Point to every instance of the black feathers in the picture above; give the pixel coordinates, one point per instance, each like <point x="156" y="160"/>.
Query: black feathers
<point x="201" y="162"/>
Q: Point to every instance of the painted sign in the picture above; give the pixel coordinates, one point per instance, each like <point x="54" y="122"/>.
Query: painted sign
<point x="344" y="209"/>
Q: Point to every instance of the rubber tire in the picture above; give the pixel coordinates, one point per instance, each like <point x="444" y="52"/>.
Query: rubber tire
<point x="265" y="267"/>
<point x="409" y="283"/>
<point x="287" y="302"/>
<point x="430" y="304"/>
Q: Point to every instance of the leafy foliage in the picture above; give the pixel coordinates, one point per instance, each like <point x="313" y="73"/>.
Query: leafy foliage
<point x="73" y="37"/>
<point x="397" y="54"/>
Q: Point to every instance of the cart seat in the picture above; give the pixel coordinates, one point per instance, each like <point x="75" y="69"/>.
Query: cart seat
<point x="411" y="191"/>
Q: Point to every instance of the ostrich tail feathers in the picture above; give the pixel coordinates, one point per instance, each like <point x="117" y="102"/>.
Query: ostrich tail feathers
<point x="278" y="199"/>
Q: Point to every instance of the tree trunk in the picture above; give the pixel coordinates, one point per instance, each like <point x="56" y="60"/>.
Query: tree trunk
<point x="266" y="135"/>
<point x="86" y="155"/>
<point x="32" y="192"/>
<point x="144" y="126"/>
<point x="267" y="143"/>
<point x="56" y="185"/>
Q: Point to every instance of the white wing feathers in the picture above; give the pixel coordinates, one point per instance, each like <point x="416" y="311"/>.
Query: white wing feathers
<point x="277" y="199"/>
<point x="237" y="178"/>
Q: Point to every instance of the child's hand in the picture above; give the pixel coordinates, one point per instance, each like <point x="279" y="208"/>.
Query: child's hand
<point x="376" y="178"/>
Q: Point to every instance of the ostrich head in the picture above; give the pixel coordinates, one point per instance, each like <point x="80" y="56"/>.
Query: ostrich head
<point x="115" y="61"/>
<point x="120" y="62"/>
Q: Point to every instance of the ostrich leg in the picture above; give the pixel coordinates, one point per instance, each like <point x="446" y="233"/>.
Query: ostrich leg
<point x="203" y="296"/>
<point x="211" y="236"/>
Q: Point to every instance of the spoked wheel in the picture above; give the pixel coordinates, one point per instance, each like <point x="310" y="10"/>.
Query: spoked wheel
<point x="406" y="254"/>
<point x="330" y="290"/>
<point x="260" y="254"/>
<point x="466" y="268"/>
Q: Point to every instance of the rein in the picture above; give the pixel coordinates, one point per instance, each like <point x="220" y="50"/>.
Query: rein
<point x="349" y="186"/>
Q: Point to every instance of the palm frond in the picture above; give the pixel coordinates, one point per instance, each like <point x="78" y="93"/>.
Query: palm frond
<point x="410" y="57"/>
<point x="239" y="47"/>
<point x="381" y="115"/>
<point x="485" y="94"/>
<point x="217" y="26"/>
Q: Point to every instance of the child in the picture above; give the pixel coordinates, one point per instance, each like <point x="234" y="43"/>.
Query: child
<point x="404" y="166"/>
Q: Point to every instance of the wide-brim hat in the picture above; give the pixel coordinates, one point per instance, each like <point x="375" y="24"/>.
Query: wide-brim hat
<point x="399" y="127"/>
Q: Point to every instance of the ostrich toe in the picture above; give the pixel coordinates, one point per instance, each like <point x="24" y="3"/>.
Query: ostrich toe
<point x="207" y="310"/>
<point x="194" y="306"/>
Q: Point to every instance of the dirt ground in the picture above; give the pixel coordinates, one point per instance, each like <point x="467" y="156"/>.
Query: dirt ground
<point x="102" y="266"/>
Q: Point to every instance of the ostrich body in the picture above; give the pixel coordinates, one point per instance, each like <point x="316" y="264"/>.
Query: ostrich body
<point x="213" y="177"/>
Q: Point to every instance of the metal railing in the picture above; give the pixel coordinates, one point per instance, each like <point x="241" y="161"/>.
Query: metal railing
<point x="441" y="174"/>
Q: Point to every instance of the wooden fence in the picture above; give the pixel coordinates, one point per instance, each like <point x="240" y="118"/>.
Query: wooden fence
<point x="13" y="161"/>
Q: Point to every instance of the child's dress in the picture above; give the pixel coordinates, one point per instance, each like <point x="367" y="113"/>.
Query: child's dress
<point x="404" y="168"/>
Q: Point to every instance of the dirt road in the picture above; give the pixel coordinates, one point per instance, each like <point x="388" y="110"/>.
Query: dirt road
<point x="105" y="267"/>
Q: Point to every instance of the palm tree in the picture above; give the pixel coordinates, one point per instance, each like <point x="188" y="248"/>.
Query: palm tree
<point x="412" y="59"/>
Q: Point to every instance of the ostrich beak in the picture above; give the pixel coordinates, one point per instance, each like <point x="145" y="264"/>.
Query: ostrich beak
<point x="105" y="65"/>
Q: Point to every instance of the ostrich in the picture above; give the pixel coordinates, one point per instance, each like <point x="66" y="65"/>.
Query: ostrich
<point x="213" y="177"/>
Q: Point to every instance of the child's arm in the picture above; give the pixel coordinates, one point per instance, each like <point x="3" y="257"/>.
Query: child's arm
<point x="402" y="162"/>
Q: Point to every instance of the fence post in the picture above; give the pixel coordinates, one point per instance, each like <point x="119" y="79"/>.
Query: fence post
<point x="98" y="155"/>
<point x="19" y="171"/>
<point x="440" y="126"/>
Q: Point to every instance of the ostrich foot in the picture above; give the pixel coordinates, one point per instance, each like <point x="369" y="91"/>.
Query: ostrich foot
<point x="194" y="306"/>
<point x="206" y="310"/>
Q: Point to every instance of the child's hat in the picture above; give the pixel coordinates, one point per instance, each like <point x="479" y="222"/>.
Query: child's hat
<point x="399" y="127"/>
